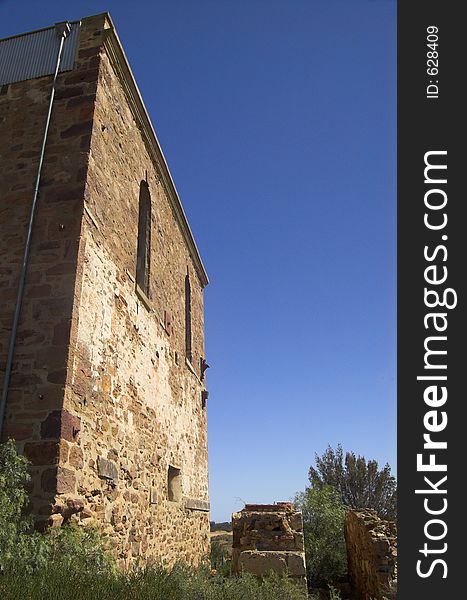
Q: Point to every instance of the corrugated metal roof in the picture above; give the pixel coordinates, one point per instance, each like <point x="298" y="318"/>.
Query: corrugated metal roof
<point x="35" y="54"/>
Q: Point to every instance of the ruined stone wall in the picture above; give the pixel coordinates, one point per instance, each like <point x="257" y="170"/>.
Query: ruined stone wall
<point x="372" y="555"/>
<point x="103" y="400"/>
<point x="268" y="537"/>
<point x="35" y="401"/>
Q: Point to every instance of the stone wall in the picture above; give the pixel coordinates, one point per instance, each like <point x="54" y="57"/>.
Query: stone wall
<point x="35" y="401"/>
<point x="103" y="400"/>
<point x="372" y="555"/>
<point x="268" y="537"/>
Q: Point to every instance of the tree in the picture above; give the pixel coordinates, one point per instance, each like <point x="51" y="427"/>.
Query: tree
<point x="323" y="527"/>
<point x="360" y="483"/>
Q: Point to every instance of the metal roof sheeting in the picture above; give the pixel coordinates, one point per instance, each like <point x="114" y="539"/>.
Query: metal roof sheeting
<point x="35" y="54"/>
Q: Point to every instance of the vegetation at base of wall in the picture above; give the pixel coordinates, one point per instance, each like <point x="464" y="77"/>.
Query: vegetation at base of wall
<point x="220" y="558"/>
<point x="72" y="563"/>
<point x="60" y="582"/>
<point x="25" y="551"/>
<point x="331" y="593"/>
<point x="360" y="483"/>
<point x="323" y="528"/>
<point x="13" y="500"/>
<point x="334" y="593"/>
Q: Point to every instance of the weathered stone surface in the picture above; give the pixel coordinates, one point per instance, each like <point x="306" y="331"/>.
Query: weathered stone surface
<point x="283" y="506"/>
<point x="71" y="425"/>
<point x="371" y="555"/>
<point x="59" y="480"/>
<point x="66" y="481"/>
<point x="19" y="431"/>
<point x="49" y="480"/>
<point x="61" y="424"/>
<point x="51" y="427"/>
<point x="72" y="506"/>
<point x="268" y="537"/>
<point x="296" y="564"/>
<point x="76" y="458"/>
<point x="260" y="563"/>
<point x="55" y="520"/>
<point x="42" y="453"/>
<point x="107" y="469"/>
<point x="193" y="504"/>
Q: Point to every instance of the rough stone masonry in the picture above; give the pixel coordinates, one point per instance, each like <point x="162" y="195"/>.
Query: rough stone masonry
<point x="269" y="537"/>
<point x="107" y="396"/>
<point x="371" y="555"/>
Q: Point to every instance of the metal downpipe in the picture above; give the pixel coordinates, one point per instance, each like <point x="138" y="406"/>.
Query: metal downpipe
<point x="62" y="29"/>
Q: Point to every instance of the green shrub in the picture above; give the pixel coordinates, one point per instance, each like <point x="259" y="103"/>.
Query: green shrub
<point x="13" y="499"/>
<point x="323" y="528"/>
<point x="334" y="593"/>
<point x="73" y="546"/>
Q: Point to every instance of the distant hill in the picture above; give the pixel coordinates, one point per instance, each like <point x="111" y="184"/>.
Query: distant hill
<point x="225" y="526"/>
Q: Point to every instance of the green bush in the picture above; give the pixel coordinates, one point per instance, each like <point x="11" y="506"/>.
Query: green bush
<point x="323" y="528"/>
<point x="13" y="500"/>
<point x="332" y="594"/>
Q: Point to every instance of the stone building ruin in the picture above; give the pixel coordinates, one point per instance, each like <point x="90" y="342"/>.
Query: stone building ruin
<point x="105" y="392"/>
<point x="371" y="555"/>
<point x="269" y="537"/>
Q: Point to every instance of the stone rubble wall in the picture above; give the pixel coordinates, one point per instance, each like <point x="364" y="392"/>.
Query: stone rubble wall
<point x="268" y="537"/>
<point x="371" y="555"/>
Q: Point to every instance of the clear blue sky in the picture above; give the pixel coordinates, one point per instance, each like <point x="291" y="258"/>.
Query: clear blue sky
<point x="277" y="118"/>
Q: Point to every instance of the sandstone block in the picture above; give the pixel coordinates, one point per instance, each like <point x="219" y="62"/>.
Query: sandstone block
<point x="260" y="563"/>
<point x="265" y="539"/>
<point x="296" y="564"/>
<point x="76" y="458"/>
<point x="107" y="469"/>
<point x="17" y="431"/>
<point x="58" y="480"/>
<point x="61" y="424"/>
<point x="55" y="520"/>
<point x="42" y="453"/>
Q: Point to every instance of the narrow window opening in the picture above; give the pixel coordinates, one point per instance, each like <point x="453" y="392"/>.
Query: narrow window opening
<point x="144" y="238"/>
<point x="188" y="349"/>
<point x="174" y="485"/>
